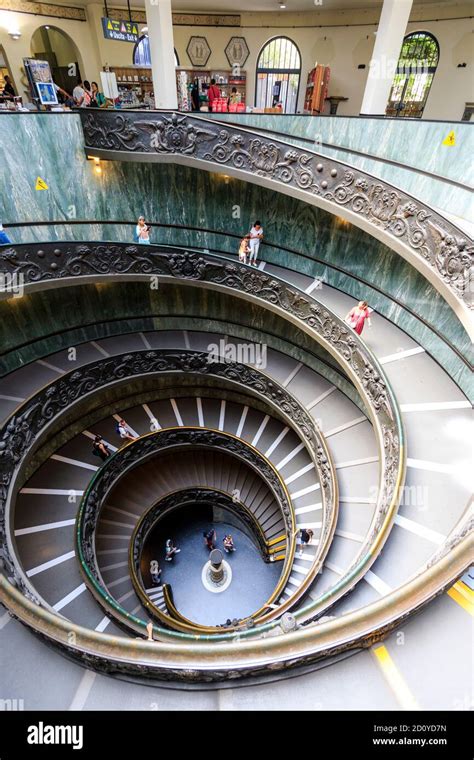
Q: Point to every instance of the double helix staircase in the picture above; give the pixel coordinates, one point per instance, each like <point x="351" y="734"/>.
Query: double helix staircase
<point x="366" y="439"/>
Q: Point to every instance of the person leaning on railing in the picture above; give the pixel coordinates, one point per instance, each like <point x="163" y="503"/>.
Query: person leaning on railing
<point x="4" y="239"/>
<point x="142" y="232"/>
<point x="98" y="99"/>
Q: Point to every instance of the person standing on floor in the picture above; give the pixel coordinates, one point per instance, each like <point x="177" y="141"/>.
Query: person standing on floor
<point x="142" y="232"/>
<point x="210" y="539"/>
<point x="98" y="98"/>
<point x="81" y="94"/>
<point x="195" y="99"/>
<point x="8" y="90"/>
<point x="124" y="432"/>
<point x="357" y="316"/>
<point x="306" y="535"/>
<point x="100" y="449"/>
<point x="170" y="550"/>
<point x="244" y="249"/>
<point x="213" y="94"/>
<point x="256" y="236"/>
<point x="234" y="97"/>
<point x="155" y="572"/>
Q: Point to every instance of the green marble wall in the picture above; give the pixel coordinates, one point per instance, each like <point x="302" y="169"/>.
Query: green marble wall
<point x="54" y="320"/>
<point x="51" y="146"/>
<point x="415" y="144"/>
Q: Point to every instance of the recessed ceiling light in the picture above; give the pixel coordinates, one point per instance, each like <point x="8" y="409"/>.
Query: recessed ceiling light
<point x="282" y="6"/>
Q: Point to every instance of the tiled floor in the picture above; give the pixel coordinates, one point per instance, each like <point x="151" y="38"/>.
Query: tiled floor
<point x="253" y="580"/>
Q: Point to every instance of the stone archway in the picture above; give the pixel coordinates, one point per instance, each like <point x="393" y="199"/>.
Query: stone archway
<point x="52" y="44"/>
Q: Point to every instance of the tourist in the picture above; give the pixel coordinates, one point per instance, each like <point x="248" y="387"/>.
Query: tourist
<point x="98" y="98"/>
<point x="142" y="232"/>
<point x="4" y="239"/>
<point x="195" y="100"/>
<point x="306" y="534"/>
<point x="100" y="448"/>
<point x="213" y="94"/>
<point x="256" y="235"/>
<point x="244" y="249"/>
<point x="8" y="90"/>
<point x="124" y="432"/>
<point x="88" y="92"/>
<point x="228" y="542"/>
<point x="234" y="97"/>
<point x="210" y="538"/>
<point x="155" y="572"/>
<point x="170" y="550"/>
<point x="357" y="316"/>
<point x="81" y="94"/>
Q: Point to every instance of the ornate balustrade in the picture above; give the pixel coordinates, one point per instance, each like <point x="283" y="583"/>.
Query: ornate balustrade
<point x="131" y="456"/>
<point x="155" y="514"/>
<point x="435" y="246"/>
<point x="67" y="263"/>
<point x="24" y="432"/>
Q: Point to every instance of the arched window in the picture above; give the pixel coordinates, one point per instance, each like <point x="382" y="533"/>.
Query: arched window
<point x="415" y="72"/>
<point x="141" y="52"/>
<point x="278" y="75"/>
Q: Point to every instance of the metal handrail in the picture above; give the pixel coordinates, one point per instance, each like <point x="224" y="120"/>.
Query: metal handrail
<point x="149" y="442"/>
<point x="266" y="244"/>
<point x="349" y="350"/>
<point x="428" y="240"/>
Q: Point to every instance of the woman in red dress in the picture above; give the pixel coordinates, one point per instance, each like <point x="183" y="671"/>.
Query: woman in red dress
<point x="357" y="316"/>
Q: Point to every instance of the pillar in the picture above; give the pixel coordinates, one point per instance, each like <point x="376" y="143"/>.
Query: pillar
<point x="217" y="568"/>
<point x="160" y="34"/>
<point x="388" y="43"/>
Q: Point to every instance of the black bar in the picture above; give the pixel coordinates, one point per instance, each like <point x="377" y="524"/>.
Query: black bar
<point x="403" y="734"/>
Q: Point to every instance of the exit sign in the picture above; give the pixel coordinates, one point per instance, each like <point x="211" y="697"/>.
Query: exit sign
<point x="122" y="31"/>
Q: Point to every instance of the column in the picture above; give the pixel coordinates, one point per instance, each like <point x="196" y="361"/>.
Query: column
<point x="160" y="34"/>
<point x="388" y="43"/>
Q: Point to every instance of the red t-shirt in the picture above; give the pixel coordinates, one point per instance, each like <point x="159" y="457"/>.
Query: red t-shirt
<point x="213" y="93"/>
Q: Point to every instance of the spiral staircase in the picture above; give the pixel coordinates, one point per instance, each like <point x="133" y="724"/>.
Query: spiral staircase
<point x="363" y="441"/>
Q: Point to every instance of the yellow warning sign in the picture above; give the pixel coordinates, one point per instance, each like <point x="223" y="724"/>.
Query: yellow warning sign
<point x="41" y="184"/>
<point x="450" y="139"/>
<point x="109" y="25"/>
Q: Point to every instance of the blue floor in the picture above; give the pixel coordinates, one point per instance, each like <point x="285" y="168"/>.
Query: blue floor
<point x="253" y="580"/>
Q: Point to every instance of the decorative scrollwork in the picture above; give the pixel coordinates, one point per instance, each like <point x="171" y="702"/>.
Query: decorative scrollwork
<point x="151" y="445"/>
<point x="437" y="241"/>
<point x="75" y="260"/>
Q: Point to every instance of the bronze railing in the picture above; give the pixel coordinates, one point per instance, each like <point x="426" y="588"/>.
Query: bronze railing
<point x="442" y="252"/>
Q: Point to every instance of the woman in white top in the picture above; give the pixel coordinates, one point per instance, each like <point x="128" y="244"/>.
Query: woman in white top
<point x="256" y="235"/>
<point x="142" y="231"/>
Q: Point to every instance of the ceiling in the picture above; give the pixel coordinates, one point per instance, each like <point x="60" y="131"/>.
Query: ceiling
<point x="239" y="6"/>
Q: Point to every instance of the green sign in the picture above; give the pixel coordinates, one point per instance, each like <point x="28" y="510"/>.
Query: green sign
<point x="122" y="31"/>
